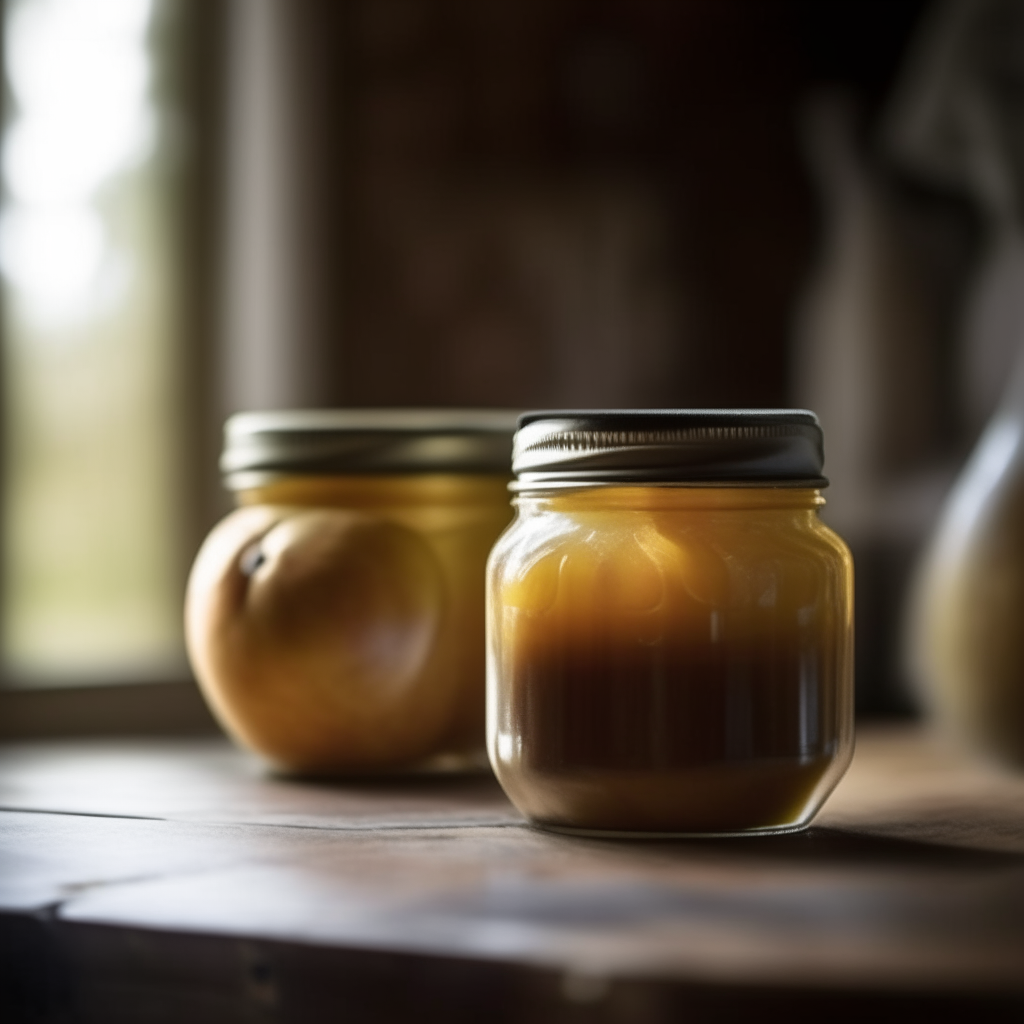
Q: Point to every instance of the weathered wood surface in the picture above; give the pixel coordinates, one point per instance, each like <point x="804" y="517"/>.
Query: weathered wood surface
<point x="911" y="881"/>
<point x="209" y="780"/>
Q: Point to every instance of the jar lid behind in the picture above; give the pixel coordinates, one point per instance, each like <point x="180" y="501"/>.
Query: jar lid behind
<point x="731" y="447"/>
<point x="262" y="445"/>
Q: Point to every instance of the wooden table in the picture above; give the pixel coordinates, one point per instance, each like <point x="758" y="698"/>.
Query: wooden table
<point x="173" y="880"/>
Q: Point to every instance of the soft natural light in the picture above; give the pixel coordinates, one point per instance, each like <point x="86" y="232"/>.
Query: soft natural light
<point x="79" y="77"/>
<point x="89" y="327"/>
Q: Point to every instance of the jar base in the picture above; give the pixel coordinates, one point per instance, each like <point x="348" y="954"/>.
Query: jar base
<point x="600" y="833"/>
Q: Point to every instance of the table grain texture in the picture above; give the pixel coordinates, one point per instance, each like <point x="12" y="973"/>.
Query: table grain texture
<point x="175" y="880"/>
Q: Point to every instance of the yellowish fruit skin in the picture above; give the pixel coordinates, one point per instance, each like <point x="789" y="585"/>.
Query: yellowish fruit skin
<point x="335" y="624"/>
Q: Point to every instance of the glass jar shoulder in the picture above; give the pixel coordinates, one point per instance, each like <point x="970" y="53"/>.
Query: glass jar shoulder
<point x="728" y="544"/>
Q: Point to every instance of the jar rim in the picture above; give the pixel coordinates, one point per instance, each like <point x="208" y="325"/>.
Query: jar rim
<point x="329" y="441"/>
<point x="560" y="449"/>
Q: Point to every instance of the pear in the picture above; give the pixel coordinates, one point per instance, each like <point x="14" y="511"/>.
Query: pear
<point x="313" y="634"/>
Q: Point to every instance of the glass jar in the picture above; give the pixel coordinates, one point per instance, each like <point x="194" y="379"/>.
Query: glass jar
<point x="669" y="625"/>
<point x="335" y="620"/>
<point x="965" y="645"/>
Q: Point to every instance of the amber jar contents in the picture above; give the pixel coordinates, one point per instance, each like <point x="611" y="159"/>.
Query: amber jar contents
<point x="670" y="659"/>
<point x="335" y="621"/>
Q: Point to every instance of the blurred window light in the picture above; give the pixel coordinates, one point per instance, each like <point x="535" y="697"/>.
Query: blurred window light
<point x="90" y="548"/>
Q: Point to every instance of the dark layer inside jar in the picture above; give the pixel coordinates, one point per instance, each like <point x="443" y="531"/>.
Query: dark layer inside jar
<point x="673" y="736"/>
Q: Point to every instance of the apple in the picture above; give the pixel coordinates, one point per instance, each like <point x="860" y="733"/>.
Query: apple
<point x="313" y="634"/>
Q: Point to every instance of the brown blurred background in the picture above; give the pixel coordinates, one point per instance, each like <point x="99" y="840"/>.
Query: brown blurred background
<point x="603" y="203"/>
<point x="499" y="202"/>
<point x="622" y="203"/>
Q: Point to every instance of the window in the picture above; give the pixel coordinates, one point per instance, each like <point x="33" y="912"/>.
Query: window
<point x="92" y="544"/>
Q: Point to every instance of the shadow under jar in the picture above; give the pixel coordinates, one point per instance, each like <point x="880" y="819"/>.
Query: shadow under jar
<point x="335" y="620"/>
<point x="669" y="625"/>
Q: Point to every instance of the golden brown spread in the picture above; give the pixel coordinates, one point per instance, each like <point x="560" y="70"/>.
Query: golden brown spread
<point x="670" y="659"/>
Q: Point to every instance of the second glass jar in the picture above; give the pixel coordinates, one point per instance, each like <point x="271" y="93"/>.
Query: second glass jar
<point x="335" y="620"/>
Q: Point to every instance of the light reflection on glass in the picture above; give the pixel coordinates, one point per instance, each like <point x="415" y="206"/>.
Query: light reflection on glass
<point x="89" y="563"/>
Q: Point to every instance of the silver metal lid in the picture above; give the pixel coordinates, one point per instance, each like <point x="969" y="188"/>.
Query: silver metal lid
<point x="734" y="447"/>
<point x="261" y="445"/>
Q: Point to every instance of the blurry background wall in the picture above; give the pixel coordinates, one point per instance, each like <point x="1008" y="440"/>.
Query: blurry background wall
<point x="604" y="204"/>
<point x="525" y="204"/>
<point x="568" y="203"/>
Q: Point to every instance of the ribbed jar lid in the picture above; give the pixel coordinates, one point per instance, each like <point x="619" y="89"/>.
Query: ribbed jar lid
<point x="736" y="447"/>
<point x="262" y="445"/>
